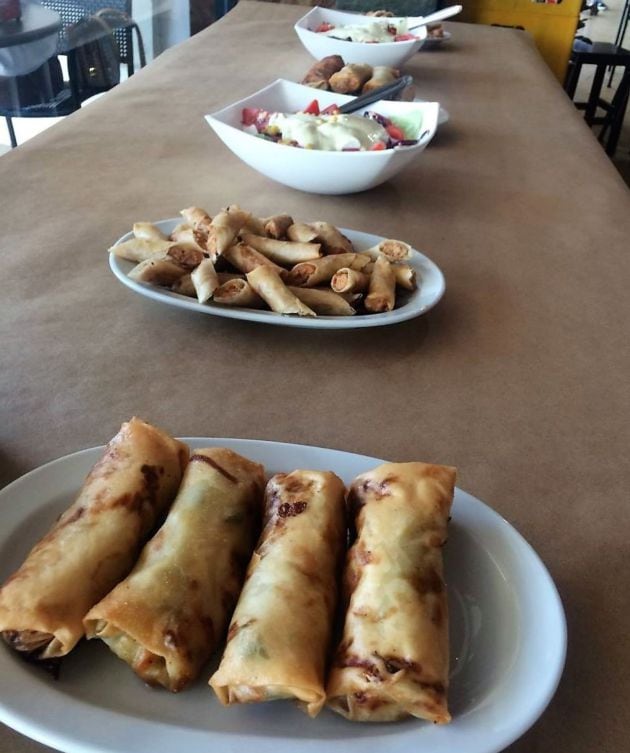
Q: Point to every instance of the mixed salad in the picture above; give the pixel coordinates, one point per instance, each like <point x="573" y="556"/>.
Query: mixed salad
<point x="330" y="130"/>
<point x="372" y="33"/>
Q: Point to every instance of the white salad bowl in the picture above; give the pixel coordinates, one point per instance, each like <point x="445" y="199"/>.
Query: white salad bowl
<point x="314" y="170"/>
<point x="319" y="45"/>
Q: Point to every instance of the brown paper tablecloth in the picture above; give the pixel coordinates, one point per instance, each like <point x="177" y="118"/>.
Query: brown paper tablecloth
<point x="519" y="377"/>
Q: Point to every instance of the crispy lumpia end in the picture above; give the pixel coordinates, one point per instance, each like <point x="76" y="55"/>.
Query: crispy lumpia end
<point x="393" y="658"/>
<point x="167" y="617"/>
<point x="278" y="640"/>
<point x="318" y="75"/>
<point x="94" y="544"/>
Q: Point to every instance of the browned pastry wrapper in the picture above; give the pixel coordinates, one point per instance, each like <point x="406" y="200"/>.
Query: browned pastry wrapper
<point x="141" y="249"/>
<point x="393" y="658"/>
<point x="350" y="78"/>
<point x="301" y="232"/>
<point x="184" y="286"/>
<point x="199" y="219"/>
<point x="277" y="226"/>
<point x="223" y="230"/>
<point x="95" y="543"/>
<point x="323" y="302"/>
<point x="246" y="258"/>
<point x="346" y="280"/>
<point x="148" y="231"/>
<point x="283" y="252"/>
<point x="238" y="292"/>
<point x="382" y="292"/>
<point x="267" y="283"/>
<point x="405" y="276"/>
<point x="279" y="636"/>
<point x="163" y="272"/>
<point x="320" y="72"/>
<point x="205" y="280"/>
<point x="187" y="254"/>
<point x="309" y="274"/>
<point x="170" y="613"/>
<point x="333" y="240"/>
<point x="381" y="76"/>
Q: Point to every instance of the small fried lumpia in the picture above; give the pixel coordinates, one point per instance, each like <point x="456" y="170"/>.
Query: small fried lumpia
<point x="350" y="78"/>
<point x="205" y="280"/>
<point x="140" y="249"/>
<point x="346" y="280"/>
<point x="148" y="231"/>
<point x="184" y="286"/>
<point x="393" y="658"/>
<point x="198" y="218"/>
<point x="323" y="302"/>
<point x="382" y="292"/>
<point x="277" y="226"/>
<point x="246" y="259"/>
<point x="186" y="254"/>
<point x="283" y="252"/>
<point x="308" y="274"/>
<point x="279" y="636"/>
<point x="301" y="232"/>
<point x="184" y="233"/>
<point x="381" y="76"/>
<point x="333" y="240"/>
<point x="163" y="272"/>
<point x="168" y="616"/>
<point x="405" y="276"/>
<point x="391" y="249"/>
<point x="266" y="282"/>
<point x="223" y="230"/>
<point x="318" y="75"/>
<point x="94" y="544"/>
<point x="238" y="292"/>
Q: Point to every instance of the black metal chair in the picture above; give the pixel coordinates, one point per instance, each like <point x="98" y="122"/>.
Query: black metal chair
<point x="602" y="55"/>
<point x="44" y="93"/>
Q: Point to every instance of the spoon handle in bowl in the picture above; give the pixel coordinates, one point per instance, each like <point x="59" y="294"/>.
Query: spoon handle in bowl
<point x="383" y="92"/>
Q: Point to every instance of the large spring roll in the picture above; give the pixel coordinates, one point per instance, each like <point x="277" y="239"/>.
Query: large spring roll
<point x="350" y="78"/>
<point x="278" y="640"/>
<point x="167" y="617"/>
<point x="94" y="544"/>
<point x="381" y="76"/>
<point x="318" y="75"/>
<point x="393" y="659"/>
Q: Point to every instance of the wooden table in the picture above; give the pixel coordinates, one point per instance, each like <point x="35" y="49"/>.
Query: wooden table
<point x="519" y="377"/>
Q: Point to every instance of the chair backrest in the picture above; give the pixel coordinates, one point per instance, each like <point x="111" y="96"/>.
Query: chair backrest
<point x="71" y="11"/>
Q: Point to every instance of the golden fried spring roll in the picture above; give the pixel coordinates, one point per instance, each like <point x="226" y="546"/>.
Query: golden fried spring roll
<point x="186" y="254"/>
<point x="279" y="637"/>
<point x="382" y="291"/>
<point x="277" y="226"/>
<point x="350" y="78"/>
<point x="140" y="249"/>
<point x="391" y="249"/>
<point x="346" y="280"/>
<point x="223" y="230"/>
<point x="184" y="233"/>
<point x="246" y="258"/>
<point x="198" y="218"/>
<point x="283" y="252"/>
<point x="94" y="544"/>
<point x="405" y="276"/>
<point x="252" y="224"/>
<point x="238" y="292"/>
<point x="163" y="272"/>
<point x="184" y="286"/>
<point x="205" y="280"/>
<point x="323" y="302"/>
<point x="393" y="658"/>
<point x="381" y="76"/>
<point x="148" y="231"/>
<point x="333" y="240"/>
<point x="301" y="232"/>
<point x="167" y="617"/>
<point x="308" y="274"/>
<point x="267" y="283"/>
<point x="318" y="75"/>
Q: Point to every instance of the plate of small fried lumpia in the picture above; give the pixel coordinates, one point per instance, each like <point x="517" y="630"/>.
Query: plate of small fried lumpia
<point x="276" y="270"/>
<point x="220" y="594"/>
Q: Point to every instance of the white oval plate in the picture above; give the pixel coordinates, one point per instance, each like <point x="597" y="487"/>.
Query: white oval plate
<point x="507" y="636"/>
<point x="430" y="290"/>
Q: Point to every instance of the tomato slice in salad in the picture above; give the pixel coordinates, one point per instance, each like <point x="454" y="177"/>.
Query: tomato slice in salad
<point x="312" y="108"/>
<point x="395" y="132"/>
<point x="377" y="147"/>
<point x="325" y="26"/>
<point x="404" y="37"/>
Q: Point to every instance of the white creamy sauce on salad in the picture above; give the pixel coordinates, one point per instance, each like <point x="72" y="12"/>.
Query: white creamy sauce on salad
<point x="329" y="132"/>
<point x="372" y="32"/>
